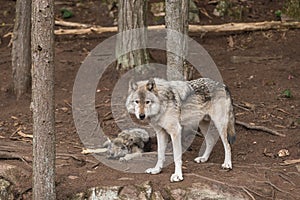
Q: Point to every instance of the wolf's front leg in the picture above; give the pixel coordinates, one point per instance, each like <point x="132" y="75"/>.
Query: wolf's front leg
<point x="162" y="140"/>
<point x="177" y="153"/>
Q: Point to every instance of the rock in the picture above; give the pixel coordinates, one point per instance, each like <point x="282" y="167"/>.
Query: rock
<point x="178" y="193"/>
<point x="145" y="192"/>
<point x="129" y="192"/>
<point x="107" y="193"/>
<point x="99" y="193"/>
<point x="5" y="192"/>
<point x="157" y="196"/>
<point x="204" y="191"/>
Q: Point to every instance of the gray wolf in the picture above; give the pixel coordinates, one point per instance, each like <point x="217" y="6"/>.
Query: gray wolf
<point x="172" y="105"/>
<point x="127" y="145"/>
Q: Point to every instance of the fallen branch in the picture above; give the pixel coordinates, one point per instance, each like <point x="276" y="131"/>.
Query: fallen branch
<point x="14" y="156"/>
<point x="73" y="24"/>
<point x="290" y="162"/>
<point x="229" y="27"/>
<point x="255" y="26"/>
<point x="259" y="128"/>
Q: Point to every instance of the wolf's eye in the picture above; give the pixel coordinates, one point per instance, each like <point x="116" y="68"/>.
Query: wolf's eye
<point x="147" y="102"/>
<point x="137" y="101"/>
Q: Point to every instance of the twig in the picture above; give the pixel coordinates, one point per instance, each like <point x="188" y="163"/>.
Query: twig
<point x="247" y="192"/>
<point x="241" y="107"/>
<point x="277" y="188"/>
<point x="285" y="178"/>
<point x="259" y="128"/>
<point x="256" y="193"/>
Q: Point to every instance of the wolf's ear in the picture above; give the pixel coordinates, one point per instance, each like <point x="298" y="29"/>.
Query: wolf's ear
<point x="132" y="86"/>
<point x="151" y="85"/>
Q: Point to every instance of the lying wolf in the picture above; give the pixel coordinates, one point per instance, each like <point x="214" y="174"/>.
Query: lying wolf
<point x="128" y="145"/>
<point x="171" y="105"/>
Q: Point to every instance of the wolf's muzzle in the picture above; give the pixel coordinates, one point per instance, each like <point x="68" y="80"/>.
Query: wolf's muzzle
<point x="142" y="116"/>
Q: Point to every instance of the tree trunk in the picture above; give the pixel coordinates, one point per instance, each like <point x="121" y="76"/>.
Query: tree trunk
<point x="43" y="99"/>
<point x="21" y="50"/>
<point x="132" y="15"/>
<point x="177" y="20"/>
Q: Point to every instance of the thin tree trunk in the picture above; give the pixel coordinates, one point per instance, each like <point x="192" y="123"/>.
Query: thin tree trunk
<point x="132" y="15"/>
<point x="21" y="50"/>
<point x="177" y="20"/>
<point x="43" y="99"/>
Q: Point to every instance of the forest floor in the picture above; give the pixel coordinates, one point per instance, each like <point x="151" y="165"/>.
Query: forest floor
<point x="257" y="87"/>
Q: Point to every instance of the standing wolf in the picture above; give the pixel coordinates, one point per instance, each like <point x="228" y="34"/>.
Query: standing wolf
<point x="172" y="105"/>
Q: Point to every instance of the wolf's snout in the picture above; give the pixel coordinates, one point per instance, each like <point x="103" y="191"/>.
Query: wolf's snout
<point x="142" y="116"/>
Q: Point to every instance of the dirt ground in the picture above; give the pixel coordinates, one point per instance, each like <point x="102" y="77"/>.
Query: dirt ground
<point x="256" y="86"/>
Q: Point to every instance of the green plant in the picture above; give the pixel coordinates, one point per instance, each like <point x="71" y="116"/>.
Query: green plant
<point x="278" y="13"/>
<point x="287" y="93"/>
<point x="66" y="13"/>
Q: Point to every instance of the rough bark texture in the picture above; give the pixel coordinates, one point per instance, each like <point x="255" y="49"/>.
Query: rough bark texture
<point x="21" y="50"/>
<point x="132" y="15"/>
<point x="43" y="99"/>
<point x="177" y="20"/>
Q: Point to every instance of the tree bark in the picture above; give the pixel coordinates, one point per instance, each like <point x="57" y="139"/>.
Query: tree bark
<point x="177" y="20"/>
<point x="21" y="48"/>
<point x="132" y="15"/>
<point x="43" y="99"/>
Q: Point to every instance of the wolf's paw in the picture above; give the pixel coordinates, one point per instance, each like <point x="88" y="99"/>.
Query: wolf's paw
<point x="200" y="159"/>
<point x="176" y="177"/>
<point x="227" y="165"/>
<point x="123" y="159"/>
<point x="153" y="170"/>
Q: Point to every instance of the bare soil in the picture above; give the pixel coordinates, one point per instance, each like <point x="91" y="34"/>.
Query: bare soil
<point x="257" y="85"/>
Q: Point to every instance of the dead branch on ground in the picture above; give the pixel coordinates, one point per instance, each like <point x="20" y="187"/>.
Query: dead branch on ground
<point x="290" y="162"/>
<point x="14" y="156"/>
<point x="229" y="27"/>
<point x="259" y="128"/>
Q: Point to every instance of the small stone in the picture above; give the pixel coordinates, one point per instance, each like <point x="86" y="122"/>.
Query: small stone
<point x="283" y="153"/>
<point x="73" y="177"/>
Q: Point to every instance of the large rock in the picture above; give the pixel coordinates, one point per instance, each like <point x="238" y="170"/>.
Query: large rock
<point x="145" y="191"/>
<point x="5" y="192"/>
<point x="5" y="186"/>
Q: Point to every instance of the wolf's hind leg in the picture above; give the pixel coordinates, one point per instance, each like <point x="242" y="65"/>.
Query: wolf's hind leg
<point x="222" y="126"/>
<point x="211" y="137"/>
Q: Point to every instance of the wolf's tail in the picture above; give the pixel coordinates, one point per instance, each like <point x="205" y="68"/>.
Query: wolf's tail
<point x="231" y="136"/>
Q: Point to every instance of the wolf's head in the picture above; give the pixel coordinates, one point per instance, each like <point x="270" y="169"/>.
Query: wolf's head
<point x="142" y="99"/>
<point x="115" y="148"/>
